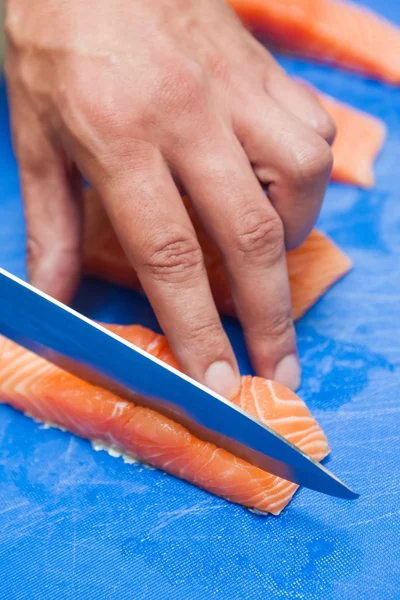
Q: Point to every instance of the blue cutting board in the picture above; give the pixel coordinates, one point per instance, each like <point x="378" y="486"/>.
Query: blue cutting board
<point x="75" y="523"/>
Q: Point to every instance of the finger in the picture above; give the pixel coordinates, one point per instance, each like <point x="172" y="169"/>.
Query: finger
<point x="53" y="221"/>
<point x="155" y="230"/>
<point x="297" y="99"/>
<point x="51" y="196"/>
<point x="291" y="159"/>
<point x="249" y="233"/>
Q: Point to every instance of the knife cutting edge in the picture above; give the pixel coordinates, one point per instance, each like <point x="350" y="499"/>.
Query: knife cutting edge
<point x="75" y="343"/>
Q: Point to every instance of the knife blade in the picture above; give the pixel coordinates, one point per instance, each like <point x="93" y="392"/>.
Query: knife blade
<point x="86" y="349"/>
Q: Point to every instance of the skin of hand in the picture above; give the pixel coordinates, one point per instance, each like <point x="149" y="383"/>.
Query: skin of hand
<point x="144" y="98"/>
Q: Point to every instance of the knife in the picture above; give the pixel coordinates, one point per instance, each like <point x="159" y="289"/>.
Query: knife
<point x="75" y="343"/>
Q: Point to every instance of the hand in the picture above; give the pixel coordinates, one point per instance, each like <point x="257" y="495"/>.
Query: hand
<point x="145" y="97"/>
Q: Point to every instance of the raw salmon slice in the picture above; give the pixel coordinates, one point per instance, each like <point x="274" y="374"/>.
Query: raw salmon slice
<point x="328" y="30"/>
<point x="313" y="267"/>
<point x="358" y="141"/>
<point x="49" y="394"/>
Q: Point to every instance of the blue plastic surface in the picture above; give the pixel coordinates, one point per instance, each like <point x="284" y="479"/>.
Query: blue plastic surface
<point x="79" y="524"/>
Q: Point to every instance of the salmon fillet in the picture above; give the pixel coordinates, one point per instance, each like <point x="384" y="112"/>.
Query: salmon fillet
<point x="342" y="33"/>
<point x="358" y="141"/>
<point x="313" y="267"/>
<point x="49" y="394"/>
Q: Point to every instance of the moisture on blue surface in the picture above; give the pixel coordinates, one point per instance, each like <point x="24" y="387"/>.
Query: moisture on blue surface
<point x="79" y="524"/>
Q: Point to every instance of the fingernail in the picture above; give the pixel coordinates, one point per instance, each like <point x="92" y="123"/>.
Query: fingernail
<point x="221" y="378"/>
<point x="288" y="372"/>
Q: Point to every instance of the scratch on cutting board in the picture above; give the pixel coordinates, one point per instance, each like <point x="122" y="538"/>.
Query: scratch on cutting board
<point x="33" y="513"/>
<point x="367" y="521"/>
<point x="361" y="414"/>
<point x="14" y="507"/>
<point x="384" y="493"/>
<point x="69" y="451"/>
<point x="392" y="439"/>
<point x="169" y="517"/>
<point x="73" y="553"/>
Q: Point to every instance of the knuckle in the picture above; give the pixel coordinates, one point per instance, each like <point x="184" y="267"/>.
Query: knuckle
<point x="261" y="236"/>
<point x="174" y="256"/>
<point x="87" y="111"/>
<point x="325" y="127"/>
<point x="35" y="250"/>
<point x="179" y="88"/>
<point x="28" y="158"/>
<point x="12" y="27"/>
<point x="54" y="252"/>
<point x="98" y="109"/>
<point x="280" y="325"/>
<point x="313" y="162"/>
<point x="206" y="337"/>
<point x="33" y="164"/>
<point x="219" y="67"/>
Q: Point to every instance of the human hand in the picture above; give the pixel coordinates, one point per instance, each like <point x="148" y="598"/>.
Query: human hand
<point x="145" y="97"/>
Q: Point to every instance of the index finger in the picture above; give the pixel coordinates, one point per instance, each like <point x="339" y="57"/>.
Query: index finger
<point x="156" y="232"/>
